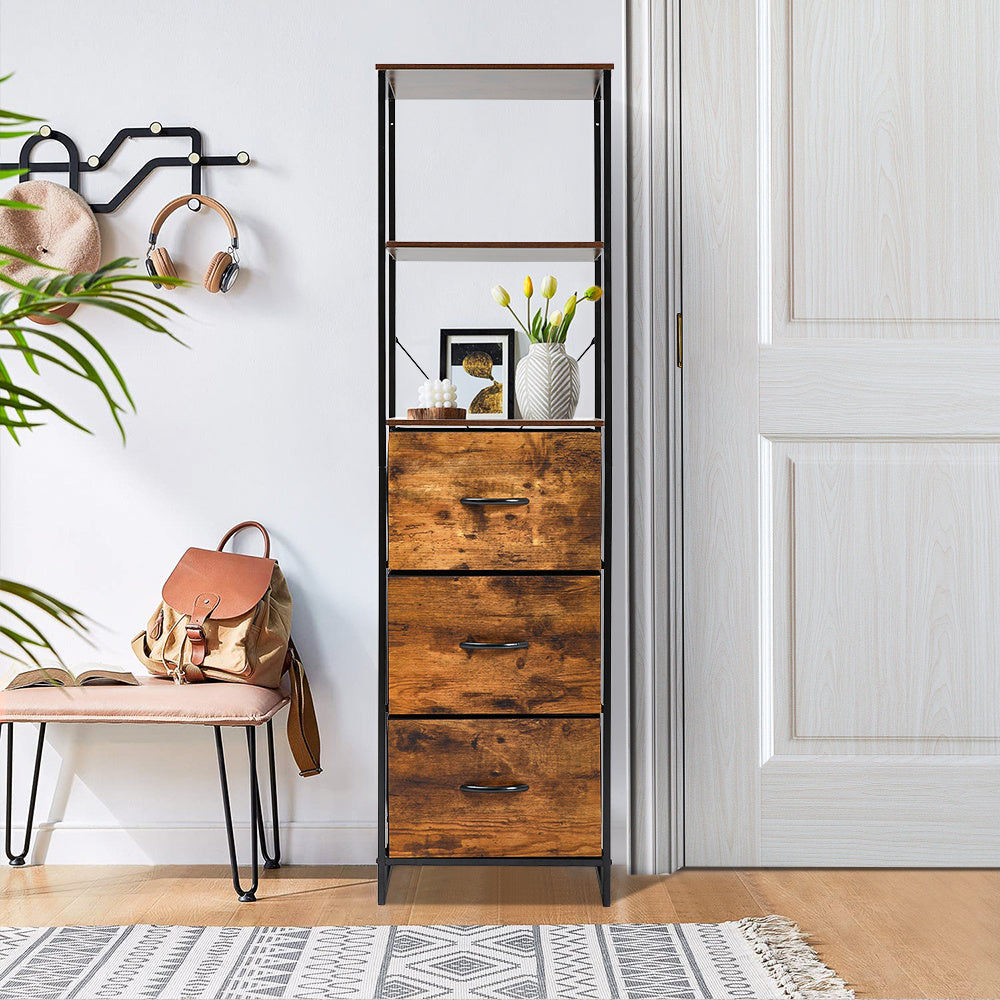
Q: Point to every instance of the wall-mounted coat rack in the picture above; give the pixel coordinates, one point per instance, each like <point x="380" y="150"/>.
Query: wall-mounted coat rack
<point x="194" y="160"/>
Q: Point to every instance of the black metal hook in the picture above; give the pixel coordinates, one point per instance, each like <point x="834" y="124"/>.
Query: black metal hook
<point x="43" y="135"/>
<point x="195" y="160"/>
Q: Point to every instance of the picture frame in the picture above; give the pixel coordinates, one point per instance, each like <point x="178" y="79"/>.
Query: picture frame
<point x="485" y="383"/>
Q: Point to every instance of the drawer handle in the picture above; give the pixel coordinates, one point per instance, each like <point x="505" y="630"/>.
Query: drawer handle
<point x="492" y="788"/>
<point x="495" y="501"/>
<point x="469" y="644"/>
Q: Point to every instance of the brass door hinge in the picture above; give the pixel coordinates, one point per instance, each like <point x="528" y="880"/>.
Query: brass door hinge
<point x="680" y="340"/>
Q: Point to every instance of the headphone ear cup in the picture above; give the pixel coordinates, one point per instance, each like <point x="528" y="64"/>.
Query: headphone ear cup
<point x="45" y="319"/>
<point x="164" y="265"/>
<point x="216" y="268"/>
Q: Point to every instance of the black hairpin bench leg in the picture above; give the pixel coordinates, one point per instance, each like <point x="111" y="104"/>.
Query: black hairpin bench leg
<point x="244" y="895"/>
<point x="269" y="861"/>
<point x="17" y="860"/>
<point x="256" y="812"/>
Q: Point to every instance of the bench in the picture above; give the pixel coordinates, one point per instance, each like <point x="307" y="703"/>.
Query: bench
<point x="160" y="702"/>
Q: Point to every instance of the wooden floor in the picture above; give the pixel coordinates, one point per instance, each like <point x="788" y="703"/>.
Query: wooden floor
<point x="890" y="933"/>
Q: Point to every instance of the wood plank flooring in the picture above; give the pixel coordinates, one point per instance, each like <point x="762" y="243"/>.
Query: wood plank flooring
<point x="890" y="933"/>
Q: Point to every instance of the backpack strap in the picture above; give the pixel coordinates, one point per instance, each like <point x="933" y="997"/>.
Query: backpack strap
<point x="303" y="730"/>
<point x="247" y="524"/>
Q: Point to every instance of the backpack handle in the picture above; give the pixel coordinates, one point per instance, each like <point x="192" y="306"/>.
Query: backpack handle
<point x="247" y="524"/>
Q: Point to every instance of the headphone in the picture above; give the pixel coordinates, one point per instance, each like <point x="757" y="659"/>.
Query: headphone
<point x="222" y="268"/>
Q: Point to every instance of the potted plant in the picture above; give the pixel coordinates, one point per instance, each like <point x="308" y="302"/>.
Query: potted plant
<point x="547" y="381"/>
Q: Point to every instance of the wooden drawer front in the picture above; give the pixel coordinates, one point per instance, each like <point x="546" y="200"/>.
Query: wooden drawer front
<point x="558" y="616"/>
<point x="558" y="472"/>
<point x="558" y="815"/>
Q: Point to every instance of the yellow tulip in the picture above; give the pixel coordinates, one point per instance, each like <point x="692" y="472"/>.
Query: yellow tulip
<point x="501" y="295"/>
<point x="548" y="287"/>
<point x="593" y="293"/>
<point x="570" y="306"/>
<point x="529" y="288"/>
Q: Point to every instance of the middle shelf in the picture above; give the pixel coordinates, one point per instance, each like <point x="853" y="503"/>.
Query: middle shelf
<point x="540" y="252"/>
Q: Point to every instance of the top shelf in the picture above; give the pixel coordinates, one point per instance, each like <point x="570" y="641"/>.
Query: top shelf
<point x="495" y="81"/>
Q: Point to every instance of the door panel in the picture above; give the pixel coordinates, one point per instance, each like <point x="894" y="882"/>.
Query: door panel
<point x="865" y="811"/>
<point x="879" y="389"/>
<point x="842" y="431"/>
<point x="893" y="148"/>
<point x="886" y="590"/>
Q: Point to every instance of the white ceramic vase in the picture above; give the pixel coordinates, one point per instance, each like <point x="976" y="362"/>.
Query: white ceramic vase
<point x="547" y="386"/>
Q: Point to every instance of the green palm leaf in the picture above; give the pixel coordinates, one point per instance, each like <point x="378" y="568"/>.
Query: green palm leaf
<point x="69" y="346"/>
<point x="31" y="599"/>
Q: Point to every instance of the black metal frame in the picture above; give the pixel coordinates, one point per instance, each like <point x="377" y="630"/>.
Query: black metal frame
<point x="602" y="274"/>
<point x="387" y="408"/>
<point x="194" y="160"/>
<point x="257" y="832"/>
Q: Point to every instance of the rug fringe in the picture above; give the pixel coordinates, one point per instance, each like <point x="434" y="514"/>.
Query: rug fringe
<point x="792" y="963"/>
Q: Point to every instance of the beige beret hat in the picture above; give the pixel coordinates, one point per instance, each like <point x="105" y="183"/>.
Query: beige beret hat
<point x="62" y="232"/>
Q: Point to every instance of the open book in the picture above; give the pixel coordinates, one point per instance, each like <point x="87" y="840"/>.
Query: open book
<point x="22" y="677"/>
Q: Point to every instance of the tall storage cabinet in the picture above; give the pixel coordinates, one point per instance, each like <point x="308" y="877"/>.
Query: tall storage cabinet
<point x="494" y="564"/>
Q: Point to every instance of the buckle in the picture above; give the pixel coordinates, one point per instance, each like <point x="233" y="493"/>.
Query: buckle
<point x="198" y="633"/>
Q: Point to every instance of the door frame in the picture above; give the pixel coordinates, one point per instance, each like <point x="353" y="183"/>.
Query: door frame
<point x="653" y="261"/>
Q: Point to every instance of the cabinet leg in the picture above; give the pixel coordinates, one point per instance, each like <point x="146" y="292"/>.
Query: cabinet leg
<point x="384" y="871"/>
<point x="604" y="881"/>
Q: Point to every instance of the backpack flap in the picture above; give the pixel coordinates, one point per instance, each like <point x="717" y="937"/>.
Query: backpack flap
<point x="220" y="585"/>
<point x="239" y="581"/>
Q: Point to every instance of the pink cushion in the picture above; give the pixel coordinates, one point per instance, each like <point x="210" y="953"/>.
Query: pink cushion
<point x="212" y="703"/>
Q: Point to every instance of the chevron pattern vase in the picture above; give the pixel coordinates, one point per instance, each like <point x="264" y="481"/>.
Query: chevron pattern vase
<point x="547" y="386"/>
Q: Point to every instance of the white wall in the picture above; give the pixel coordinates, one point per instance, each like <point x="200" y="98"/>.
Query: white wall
<point x="270" y="412"/>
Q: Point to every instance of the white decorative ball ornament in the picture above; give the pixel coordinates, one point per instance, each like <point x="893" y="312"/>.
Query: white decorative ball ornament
<point x="437" y="392"/>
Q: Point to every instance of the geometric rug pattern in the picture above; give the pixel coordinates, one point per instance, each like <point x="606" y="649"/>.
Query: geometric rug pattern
<point x="749" y="959"/>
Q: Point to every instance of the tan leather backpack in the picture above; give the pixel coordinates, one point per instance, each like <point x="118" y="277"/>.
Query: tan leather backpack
<point x="228" y="617"/>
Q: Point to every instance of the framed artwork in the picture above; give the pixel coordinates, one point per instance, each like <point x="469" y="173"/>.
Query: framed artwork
<point x="481" y="364"/>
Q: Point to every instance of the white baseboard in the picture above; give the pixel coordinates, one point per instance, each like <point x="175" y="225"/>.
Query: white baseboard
<point x="195" y="844"/>
<point x="302" y="843"/>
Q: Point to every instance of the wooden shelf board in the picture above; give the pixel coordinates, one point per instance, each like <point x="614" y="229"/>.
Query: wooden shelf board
<point x="495" y="81"/>
<point x="489" y="251"/>
<point x="498" y="422"/>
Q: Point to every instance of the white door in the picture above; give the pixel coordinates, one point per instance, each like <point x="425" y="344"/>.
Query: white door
<point x="841" y="380"/>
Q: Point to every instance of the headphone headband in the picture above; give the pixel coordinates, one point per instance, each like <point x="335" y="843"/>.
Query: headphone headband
<point x="172" y="206"/>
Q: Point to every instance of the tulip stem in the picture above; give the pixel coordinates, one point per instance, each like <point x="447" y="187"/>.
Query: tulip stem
<point x="519" y="323"/>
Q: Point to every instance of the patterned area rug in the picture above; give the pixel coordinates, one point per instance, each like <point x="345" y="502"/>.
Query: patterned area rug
<point x="752" y="958"/>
